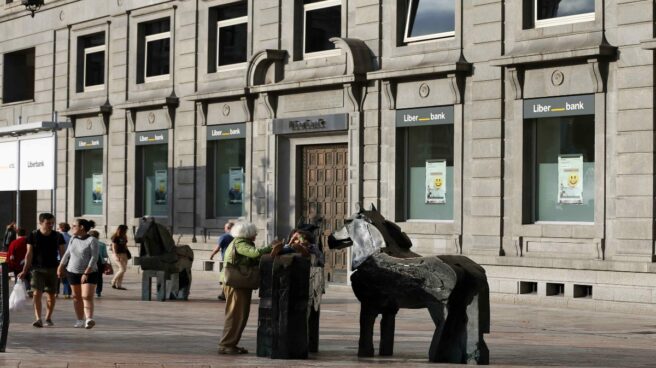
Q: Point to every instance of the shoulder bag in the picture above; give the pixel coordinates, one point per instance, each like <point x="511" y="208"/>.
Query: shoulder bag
<point x="241" y="276"/>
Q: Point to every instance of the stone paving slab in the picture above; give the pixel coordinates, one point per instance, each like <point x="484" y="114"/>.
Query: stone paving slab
<point x="131" y="333"/>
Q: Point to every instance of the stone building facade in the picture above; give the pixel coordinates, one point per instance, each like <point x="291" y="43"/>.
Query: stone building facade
<point x="519" y="133"/>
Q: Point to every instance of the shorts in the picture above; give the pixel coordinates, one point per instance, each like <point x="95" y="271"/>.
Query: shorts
<point x="45" y="280"/>
<point x="76" y="278"/>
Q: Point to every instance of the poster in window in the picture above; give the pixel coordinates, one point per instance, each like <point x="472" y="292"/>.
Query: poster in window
<point x="236" y="181"/>
<point x="436" y="181"/>
<point x="160" y="187"/>
<point x="97" y="188"/>
<point x="570" y="179"/>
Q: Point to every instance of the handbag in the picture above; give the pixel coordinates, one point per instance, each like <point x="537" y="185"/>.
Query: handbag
<point x="127" y="252"/>
<point x="108" y="269"/>
<point x="241" y="276"/>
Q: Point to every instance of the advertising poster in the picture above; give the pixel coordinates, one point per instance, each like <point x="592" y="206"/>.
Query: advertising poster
<point x="570" y="179"/>
<point x="160" y="186"/>
<point x="97" y="185"/>
<point x="37" y="164"/>
<point x="236" y="182"/>
<point x="436" y="181"/>
<point x="8" y="166"/>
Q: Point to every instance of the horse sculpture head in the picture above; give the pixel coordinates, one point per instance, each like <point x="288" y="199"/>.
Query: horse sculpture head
<point x="368" y="233"/>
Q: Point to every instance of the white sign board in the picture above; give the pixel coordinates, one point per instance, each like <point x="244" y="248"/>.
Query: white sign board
<point x="8" y="166"/>
<point x="37" y="164"/>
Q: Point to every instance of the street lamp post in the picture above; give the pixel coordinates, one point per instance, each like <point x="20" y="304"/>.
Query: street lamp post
<point x="32" y="5"/>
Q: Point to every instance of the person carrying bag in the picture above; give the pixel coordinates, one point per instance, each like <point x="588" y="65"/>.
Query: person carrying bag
<point x="242" y="275"/>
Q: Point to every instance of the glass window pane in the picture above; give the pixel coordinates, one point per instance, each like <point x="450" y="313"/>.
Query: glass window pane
<point x="547" y="9"/>
<point x="433" y="142"/>
<point x="232" y="44"/>
<point x="564" y="136"/>
<point x="155" y="180"/>
<point x="92" y="181"/>
<point x="320" y="26"/>
<point x="429" y="17"/>
<point x="157" y="57"/>
<point x="97" y="39"/>
<point x="232" y="11"/>
<point x="230" y="171"/>
<point x="158" y="26"/>
<point x="95" y="68"/>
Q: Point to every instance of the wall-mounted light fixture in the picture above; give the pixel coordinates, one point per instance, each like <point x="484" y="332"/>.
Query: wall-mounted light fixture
<point x="32" y="5"/>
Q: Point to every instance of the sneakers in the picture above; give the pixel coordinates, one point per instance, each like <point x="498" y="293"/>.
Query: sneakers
<point x="89" y="323"/>
<point x="49" y="323"/>
<point x="121" y="288"/>
<point x="232" y="350"/>
<point x="79" y="323"/>
<point x="38" y="323"/>
<point x="114" y="287"/>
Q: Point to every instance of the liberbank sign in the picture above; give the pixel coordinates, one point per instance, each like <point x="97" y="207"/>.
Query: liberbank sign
<point x="37" y="164"/>
<point x="425" y="116"/>
<point x="559" y="106"/>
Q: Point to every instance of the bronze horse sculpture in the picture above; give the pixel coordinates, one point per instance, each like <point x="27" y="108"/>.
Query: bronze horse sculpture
<point x="161" y="258"/>
<point x="388" y="276"/>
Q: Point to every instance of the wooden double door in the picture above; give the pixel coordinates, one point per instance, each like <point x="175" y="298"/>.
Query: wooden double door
<point x="324" y="197"/>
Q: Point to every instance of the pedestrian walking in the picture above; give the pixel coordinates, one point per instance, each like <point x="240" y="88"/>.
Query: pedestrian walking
<point x="16" y="257"/>
<point x="103" y="259"/>
<point x="64" y="229"/>
<point x="81" y="265"/>
<point x="221" y="246"/>
<point x="10" y="236"/>
<point x="120" y="251"/>
<point x="44" y="246"/>
<point x="238" y="300"/>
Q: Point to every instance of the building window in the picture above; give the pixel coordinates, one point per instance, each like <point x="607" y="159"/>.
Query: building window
<point x="428" y="19"/>
<point x="231" y="34"/>
<point x="226" y="172"/>
<point x="154" y="50"/>
<point x="152" y="178"/>
<point x="559" y="181"/>
<point x="425" y="172"/>
<point x="18" y="76"/>
<point x="322" y="20"/>
<point x="91" y="62"/>
<point x="89" y="179"/>
<point x="554" y="12"/>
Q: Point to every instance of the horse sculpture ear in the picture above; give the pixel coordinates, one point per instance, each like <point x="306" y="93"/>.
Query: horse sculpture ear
<point x="358" y="208"/>
<point x="372" y="208"/>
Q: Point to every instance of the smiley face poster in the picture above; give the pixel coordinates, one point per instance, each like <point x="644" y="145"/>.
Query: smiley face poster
<point x="570" y="179"/>
<point x="436" y="181"/>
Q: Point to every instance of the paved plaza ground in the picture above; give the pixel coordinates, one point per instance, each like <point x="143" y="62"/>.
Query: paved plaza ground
<point x="133" y="333"/>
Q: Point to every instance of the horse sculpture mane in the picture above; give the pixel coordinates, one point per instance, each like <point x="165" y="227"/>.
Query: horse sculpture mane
<point x="388" y="276"/>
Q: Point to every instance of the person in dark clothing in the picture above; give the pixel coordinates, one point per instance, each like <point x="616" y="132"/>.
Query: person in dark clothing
<point x="16" y="256"/>
<point x="44" y="249"/>
<point x="10" y="236"/>
<point x="221" y="246"/>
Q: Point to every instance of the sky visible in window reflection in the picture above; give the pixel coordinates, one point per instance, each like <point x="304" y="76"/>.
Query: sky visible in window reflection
<point x="562" y="8"/>
<point x="431" y="16"/>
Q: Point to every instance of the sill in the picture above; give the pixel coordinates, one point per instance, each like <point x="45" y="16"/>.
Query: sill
<point x="583" y="223"/>
<point x="230" y="67"/>
<point x="321" y="54"/>
<point x="429" y="221"/>
<point x="157" y="78"/>
<point x="558" y="21"/>
<point x="429" y="38"/>
<point x="99" y="87"/>
<point x="17" y="102"/>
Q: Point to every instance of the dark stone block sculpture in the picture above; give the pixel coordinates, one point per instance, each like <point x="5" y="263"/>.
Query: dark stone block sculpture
<point x="290" y="297"/>
<point x="388" y="276"/>
<point x="160" y="258"/>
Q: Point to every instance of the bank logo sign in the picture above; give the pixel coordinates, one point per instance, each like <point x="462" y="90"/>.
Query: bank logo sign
<point x="227" y="131"/>
<point x="89" y="143"/>
<point x="311" y="124"/>
<point x="426" y="116"/>
<point x="559" y="106"/>
<point x="152" y="137"/>
<point x="36" y="167"/>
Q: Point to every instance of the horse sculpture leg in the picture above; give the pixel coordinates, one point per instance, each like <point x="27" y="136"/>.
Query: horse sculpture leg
<point x="367" y="320"/>
<point x="438" y="315"/>
<point x="387" y="326"/>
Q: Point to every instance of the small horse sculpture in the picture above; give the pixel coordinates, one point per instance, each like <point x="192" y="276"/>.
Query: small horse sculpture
<point x="388" y="276"/>
<point x="160" y="257"/>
